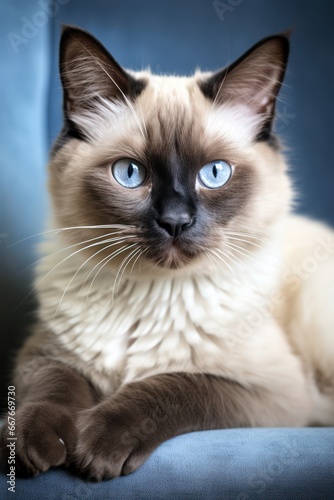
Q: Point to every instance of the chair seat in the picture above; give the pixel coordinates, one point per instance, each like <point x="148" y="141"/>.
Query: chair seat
<point x="238" y="464"/>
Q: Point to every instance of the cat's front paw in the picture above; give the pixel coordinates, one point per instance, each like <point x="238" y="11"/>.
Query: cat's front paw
<point x="45" y="434"/>
<point x="112" y="441"/>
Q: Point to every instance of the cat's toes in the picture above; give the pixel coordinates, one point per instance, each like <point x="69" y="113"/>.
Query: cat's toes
<point x="136" y="459"/>
<point x="99" y="454"/>
<point x="45" y="433"/>
<point x="97" y="466"/>
<point x="106" y="443"/>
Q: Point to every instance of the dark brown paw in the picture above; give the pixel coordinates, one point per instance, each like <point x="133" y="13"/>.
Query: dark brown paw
<point x="45" y="434"/>
<point x="111" y="442"/>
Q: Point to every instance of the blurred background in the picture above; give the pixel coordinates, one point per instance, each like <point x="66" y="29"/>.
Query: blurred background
<point x="173" y="36"/>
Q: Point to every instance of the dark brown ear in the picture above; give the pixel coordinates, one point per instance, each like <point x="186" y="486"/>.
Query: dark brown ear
<point x="88" y="72"/>
<point x="254" y="80"/>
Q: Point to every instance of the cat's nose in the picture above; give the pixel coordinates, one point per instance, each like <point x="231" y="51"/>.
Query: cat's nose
<point x="175" y="225"/>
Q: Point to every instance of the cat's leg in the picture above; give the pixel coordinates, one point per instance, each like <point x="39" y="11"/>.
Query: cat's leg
<point x="118" y="435"/>
<point x="45" y="430"/>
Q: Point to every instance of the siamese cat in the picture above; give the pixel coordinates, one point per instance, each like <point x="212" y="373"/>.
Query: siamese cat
<point x="177" y="292"/>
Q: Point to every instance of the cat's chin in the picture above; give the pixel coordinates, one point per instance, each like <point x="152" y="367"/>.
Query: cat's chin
<point x="173" y="258"/>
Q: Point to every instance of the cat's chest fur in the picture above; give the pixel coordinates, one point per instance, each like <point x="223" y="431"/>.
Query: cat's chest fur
<point x="147" y="326"/>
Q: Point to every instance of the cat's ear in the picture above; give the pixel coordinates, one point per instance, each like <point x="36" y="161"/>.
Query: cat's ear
<point x="254" y="80"/>
<point x="88" y="72"/>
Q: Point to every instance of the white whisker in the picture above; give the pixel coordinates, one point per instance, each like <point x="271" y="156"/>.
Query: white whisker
<point x="96" y="265"/>
<point x="59" y="229"/>
<point x="72" y="246"/>
<point x="82" y="265"/>
<point x="108" y="259"/>
<point x="213" y="259"/>
<point x="135" y="261"/>
<point x="262" y="247"/>
<point x="120" y="272"/>
<point x="223" y="260"/>
<point x="220" y="87"/>
<point x="58" y="264"/>
<point x="238" y="262"/>
<point x="241" y="250"/>
<point x="229" y="232"/>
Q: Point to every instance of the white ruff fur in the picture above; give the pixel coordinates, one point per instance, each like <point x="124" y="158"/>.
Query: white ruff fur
<point x="153" y="325"/>
<point x="192" y="323"/>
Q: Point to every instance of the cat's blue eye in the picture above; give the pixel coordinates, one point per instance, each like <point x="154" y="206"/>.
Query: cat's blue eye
<point x="215" y="174"/>
<point x="129" y="173"/>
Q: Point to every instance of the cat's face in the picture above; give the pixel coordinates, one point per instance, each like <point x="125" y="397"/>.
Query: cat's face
<point x="181" y="164"/>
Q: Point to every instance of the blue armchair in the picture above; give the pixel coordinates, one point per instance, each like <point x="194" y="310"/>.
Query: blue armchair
<point x="239" y="464"/>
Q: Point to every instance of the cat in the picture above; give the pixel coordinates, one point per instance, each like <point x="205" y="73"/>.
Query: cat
<point x="171" y="295"/>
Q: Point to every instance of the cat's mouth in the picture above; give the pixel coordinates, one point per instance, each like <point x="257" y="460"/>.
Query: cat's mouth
<point x="174" y="254"/>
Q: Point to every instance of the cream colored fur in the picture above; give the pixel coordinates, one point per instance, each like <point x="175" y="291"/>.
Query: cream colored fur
<point x="251" y="319"/>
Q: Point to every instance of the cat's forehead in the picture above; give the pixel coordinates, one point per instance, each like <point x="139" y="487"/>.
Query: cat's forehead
<point x="172" y="97"/>
<point x="175" y="108"/>
<point x="167" y="85"/>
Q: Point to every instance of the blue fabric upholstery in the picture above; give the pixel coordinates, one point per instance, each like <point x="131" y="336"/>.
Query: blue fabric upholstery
<point x="23" y="119"/>
<point x="239" y="464"/>
<point x="171" y="36"/>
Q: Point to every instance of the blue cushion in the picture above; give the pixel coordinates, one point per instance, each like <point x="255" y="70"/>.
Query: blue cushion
<point x="238" y="464"/>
